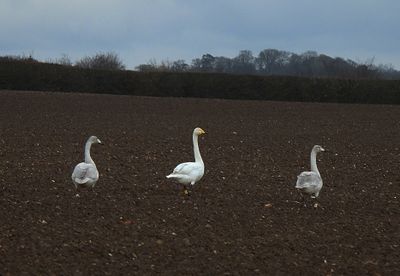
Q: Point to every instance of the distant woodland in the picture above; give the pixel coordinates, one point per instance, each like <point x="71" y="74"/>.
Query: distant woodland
<point x="279" y="63"/>
<point x="272" y="75"/>
<point x="269" y="62"/>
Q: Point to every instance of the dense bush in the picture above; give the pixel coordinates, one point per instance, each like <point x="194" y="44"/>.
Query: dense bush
<point x="30" y="75"/>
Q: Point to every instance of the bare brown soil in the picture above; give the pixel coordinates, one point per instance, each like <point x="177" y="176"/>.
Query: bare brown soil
<point x="243" y="218"/>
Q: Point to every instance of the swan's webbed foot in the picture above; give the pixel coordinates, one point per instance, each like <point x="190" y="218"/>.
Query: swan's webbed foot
<point x="316" y="203"/>
<point x="186" y="192"/>
<point x="318" y="206"/>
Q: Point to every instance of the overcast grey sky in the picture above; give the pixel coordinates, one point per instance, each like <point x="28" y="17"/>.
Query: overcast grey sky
<point x="140" y="30"/>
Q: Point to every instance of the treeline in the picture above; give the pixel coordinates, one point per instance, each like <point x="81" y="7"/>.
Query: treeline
<point x="101" y="61"/>
<point x="29" y="74"/>
<point x="275" y="62"/>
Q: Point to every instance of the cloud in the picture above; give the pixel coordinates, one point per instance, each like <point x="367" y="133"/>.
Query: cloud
<point x="140" y="30"/>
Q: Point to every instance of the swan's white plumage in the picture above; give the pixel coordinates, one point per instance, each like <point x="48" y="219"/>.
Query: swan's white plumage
<point x="310" y="182"/>
<point x="190" y="172"/>
<point x="86" y="173"/>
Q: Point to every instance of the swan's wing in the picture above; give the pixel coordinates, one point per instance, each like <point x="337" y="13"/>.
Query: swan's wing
<point x="186" y="168"/>
<point x="84" y="171"/>
<point x="188" y="173"/>
<point x="308" y="180"/>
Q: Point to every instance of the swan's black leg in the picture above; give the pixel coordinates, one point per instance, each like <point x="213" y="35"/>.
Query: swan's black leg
<point x="304" y="198"/>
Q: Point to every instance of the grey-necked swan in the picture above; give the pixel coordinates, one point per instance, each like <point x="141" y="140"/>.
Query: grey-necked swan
<point x="311" y="182"/>
<point x="86" y="173"/>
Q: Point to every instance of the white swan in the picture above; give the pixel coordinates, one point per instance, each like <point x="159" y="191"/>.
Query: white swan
<point x="311" y="182"/>
<point x="86" y="173"/>
<point x="190" y="172"/>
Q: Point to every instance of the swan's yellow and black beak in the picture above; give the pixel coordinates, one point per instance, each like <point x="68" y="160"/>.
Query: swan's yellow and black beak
<point x="202" y="131"/>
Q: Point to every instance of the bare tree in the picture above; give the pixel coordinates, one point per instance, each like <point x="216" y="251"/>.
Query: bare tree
<point x="146" y="68"/>
<point x="63" y="60"/>
<point x="223" y="65"/>
<point x="104" y="61"/>
<point x="150" y="66"/>
<point x="179" y="66"/>
<point x="244" y="62"/>
<point x="272" y="61"/>
<point x="207" y="63"/>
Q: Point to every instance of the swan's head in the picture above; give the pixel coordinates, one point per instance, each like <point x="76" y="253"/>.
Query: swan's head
<point x="94" y="140"/>
<point x="198" y="131"/>
<point x="318" y="148"/>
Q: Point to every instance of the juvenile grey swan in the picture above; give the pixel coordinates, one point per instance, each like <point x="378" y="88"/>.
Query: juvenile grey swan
<point x="311" y="182"/>
<point x="86" y="173"/>
<point x="190" y="172"/>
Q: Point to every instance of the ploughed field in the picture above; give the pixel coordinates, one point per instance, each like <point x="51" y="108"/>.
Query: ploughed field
<point x="243" y="218"/>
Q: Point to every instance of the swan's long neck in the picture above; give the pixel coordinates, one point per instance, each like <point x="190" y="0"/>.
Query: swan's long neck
<point x="88" y="158"/>
<point x="314" y="167"/>
<point x="197" y="156"/>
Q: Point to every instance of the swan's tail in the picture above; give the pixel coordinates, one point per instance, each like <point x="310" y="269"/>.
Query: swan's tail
<point x="81" y="181"/>
<point x="302" y="185"/>
<point x="172" y="175"/>
<point x="302" y="182"/>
